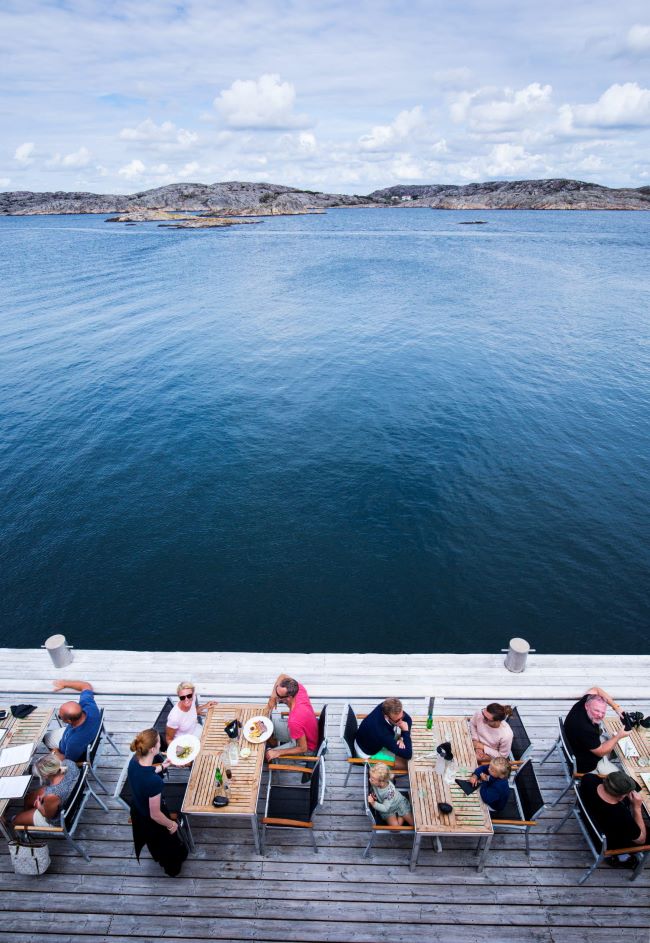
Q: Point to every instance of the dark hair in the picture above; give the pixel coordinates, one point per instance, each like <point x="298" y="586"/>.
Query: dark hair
<point x="392" y="705"/>
<point x="499" y="711"/>
<point x="290" y="686"/>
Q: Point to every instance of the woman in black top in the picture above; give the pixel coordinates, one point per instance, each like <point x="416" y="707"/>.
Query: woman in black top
<point x="151" y="824"/>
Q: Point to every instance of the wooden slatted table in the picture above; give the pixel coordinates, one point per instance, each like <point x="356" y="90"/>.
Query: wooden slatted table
<point x="640" y="737"/>
<point x="244" y="787"/>
<point x="29" y="729"/>
<point x="470" y="815"/>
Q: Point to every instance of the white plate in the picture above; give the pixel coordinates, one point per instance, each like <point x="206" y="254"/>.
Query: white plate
<point x="185" y="740"/>
<point x="646" y="779"/>
<point x="265" y="736"/>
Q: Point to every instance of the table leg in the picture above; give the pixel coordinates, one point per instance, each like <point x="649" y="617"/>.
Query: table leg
<point x="415" y="851"/>
<point x="5" y="830"/>
<point x="256" y="834"/>
<point x="486" y="848"/>
<point x="437" y="844"/>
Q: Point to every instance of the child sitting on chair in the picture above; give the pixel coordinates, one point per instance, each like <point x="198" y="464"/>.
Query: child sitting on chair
<point x="392" y="805"/>
<point x="493" y="778"/>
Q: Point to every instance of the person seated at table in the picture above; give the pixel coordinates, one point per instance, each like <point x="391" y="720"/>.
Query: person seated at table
<point x="583" y="731"/>
<point x="81" y="721"/>
<point x="386" y="734"/>
<point x="184" y="716"/>
<point x="43" y="805"/>
<point x="493" y="777"/>
<point x="151" y="824"/>
<point x="616" y="809"/>
<point x="298" y="733"/>
<point x="491" y="734"/>
<point x="391" y="804"/>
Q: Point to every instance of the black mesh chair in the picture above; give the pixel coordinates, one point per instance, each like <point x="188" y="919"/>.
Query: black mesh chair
<point x="525" y="805"/>
<point x="569" y="764"/>
<point x="597" y="842"/>
<point x="377" y="824"/>
<point x="160" y="723"/>
<point x="522" y="745"/>
<point x="292" y="805"/>
<point x="69" y="815"/>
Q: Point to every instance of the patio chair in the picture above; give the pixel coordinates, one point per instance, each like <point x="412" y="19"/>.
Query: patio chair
<point x="569" y="764"/>
<point x="69" y="816"/>
<point x="122" y="791"/>
<point x="348" y="732"/>
<point x="597" y="842"/>
<point x="293" y="805"/>
<point x="522" y="745"/>
<point x="92" y="751"/>
<point x="525" y="804"/>
<point x="377" y="824"/>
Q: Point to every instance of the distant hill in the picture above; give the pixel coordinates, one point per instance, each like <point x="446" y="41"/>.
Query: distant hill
<point x="264" y="199"/>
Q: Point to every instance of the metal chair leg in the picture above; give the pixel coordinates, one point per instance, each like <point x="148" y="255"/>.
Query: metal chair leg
<point x="552" y="750"/>
<point x="369" y="845"/>
<point x="109" y="737"/>
<point x="563" y="821"/>
<point x="527" y="839"/>
<point x="77" y="847"/>
<point x="96" y="797"/>
<point x="562" y="794"/>
<point x="313" y="840"/>
<point x="347" y="775"/>
<point x="91" y="772"/>
<point x="591" y="870"/>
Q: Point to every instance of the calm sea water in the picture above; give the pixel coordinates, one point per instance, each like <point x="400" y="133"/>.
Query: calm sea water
<point x="372" y="430"/>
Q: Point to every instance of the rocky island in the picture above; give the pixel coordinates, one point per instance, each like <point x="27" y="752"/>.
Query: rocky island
<point x="221" y="204"/>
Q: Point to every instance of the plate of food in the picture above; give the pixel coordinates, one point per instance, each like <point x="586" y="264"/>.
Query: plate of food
<point x="258" y="729"/>
<point x="182" y="750"/>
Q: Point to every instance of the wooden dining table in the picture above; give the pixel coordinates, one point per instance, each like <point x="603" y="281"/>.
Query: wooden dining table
<point x="20" y="730"/>
<point x="634" y="766"/>
<point x="243" y="787"/>
<point x="470" y="815"/>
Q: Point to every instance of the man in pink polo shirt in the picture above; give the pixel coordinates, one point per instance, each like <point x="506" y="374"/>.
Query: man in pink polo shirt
<point x="299" y="732"/>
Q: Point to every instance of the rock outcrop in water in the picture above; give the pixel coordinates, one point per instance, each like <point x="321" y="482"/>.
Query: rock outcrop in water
<point x="266" y="199"/>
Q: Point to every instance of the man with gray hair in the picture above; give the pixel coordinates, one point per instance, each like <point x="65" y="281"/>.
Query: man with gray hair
<point x="582" y="728"/>
<point x="616" y="809"/>
<point x="80" y="723"/>
<point x="299" y="732"/>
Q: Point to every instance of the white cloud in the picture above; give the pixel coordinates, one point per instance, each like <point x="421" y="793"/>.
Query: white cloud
<point x="494" y="109"/>
<point x="80" y="158"/>
<point x="265" y="103"/>
<point x="166" y="135"/>
<point x="23" y="153"/>
<point x="385" y="136"/>
<point x="620" y="106"/>
<point x="4" y="182"/>
<point x="132" y="170"/>
<point x="307" y="140"/>
<point x="638" y="39"/>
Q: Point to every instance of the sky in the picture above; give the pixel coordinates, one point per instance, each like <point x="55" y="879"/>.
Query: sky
<point x="121" y="96"/>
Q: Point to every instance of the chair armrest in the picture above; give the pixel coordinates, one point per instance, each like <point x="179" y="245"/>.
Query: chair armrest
<point x="627" y="851"/>
<point x="512" y="822"/>
<point x="394" y="828"/>
<point x="297" y="756"/>
<point x="358" y="761"/>
<point x="291" y="769"/>
<point x="37" y="828"/>
<point x="291" y="822"/>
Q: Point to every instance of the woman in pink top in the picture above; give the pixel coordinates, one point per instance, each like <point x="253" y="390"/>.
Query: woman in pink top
<point x="491" y="735"/>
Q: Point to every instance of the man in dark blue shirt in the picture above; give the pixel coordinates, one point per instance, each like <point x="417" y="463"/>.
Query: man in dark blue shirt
<point x="80" y="723"/>
<point x="386" y="730"/>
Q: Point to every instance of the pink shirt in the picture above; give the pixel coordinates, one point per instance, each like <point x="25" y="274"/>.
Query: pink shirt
<point x="302" y="721"/>
<point x="497" y="740"/>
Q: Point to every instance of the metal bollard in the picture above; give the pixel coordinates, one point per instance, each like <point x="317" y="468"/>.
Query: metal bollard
<point x="58" y="650"/>
<point x="515" y="660"/>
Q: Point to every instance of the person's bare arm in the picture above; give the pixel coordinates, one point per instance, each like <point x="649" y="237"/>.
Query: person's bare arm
<point x="609" y="745"/>
<point x="615" y="706"/>
<point x="636" y="808"/>
<point x="272" y="702"/>
<point x="73" y="685"/>
<point x="170" y="733"/>
<point x="159" y="816"/>
<point x="300" y="747"/>
<point x="48" y="805"/>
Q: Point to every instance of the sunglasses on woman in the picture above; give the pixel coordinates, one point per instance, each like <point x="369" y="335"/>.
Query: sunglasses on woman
<point x="185" y="697"/>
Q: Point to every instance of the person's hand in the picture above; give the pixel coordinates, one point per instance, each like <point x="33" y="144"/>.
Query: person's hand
<point x="484" y="777"/>
<point x="38" y="803"/>
<point x="400" y="743"/>
<point x="636" y="799"/>
<point x="473" y="780"/>
<point x="371" y="799"/>
<point x="172" y="827"/>
<point x="402" y="725"/>
<point x="272" y="755"/>
<point x="58" y="685"/>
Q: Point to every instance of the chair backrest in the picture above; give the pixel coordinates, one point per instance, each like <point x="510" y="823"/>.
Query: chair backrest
<point x="367" y="789"/>
<point x="322" y="730"/>
<point x="566" y="751"/>
<point x="594" y="836"/>
<point x="528" y="792"/>
<point x="521" y="742"/>
<point x="160" y="723"/>
<point x="74" y="801"/>
<point x="315" y="797"/>
<point x="349" y="727"/>
<point x="93" y="747"/>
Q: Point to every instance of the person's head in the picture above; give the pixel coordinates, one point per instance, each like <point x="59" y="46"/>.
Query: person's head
<point x="145" y="741"/>
<point x="286" y="689"/>
<point x="47" y="767"/>
<point x="499" y="767"/>
<point x="618" y="785"/>
<point x="379" y="775"/>
<point x="71" y="712"/>
<point x="596" y="708"/>
<point x="392" y="709"/>
<point x="186" y="691"/>
<point x="494" y="714"/>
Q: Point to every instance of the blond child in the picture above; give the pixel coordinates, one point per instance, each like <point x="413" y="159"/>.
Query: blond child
<point x="392" y="805"/>
<point x="493" y="778"/>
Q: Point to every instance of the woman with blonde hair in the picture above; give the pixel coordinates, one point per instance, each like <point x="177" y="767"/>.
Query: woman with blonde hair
<point x="43" y="805"/>
<point x="152" y="826"/>
<point x="183" y="717"/>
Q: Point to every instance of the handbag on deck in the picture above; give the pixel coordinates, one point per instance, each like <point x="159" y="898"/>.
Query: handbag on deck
<point x="29" y="857"/>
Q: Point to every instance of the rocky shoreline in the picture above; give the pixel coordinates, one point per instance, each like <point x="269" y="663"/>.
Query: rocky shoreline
<point x="236" y="199"/>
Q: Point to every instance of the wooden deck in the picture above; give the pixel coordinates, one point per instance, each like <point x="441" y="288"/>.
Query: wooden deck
<point x="226" y="892"/>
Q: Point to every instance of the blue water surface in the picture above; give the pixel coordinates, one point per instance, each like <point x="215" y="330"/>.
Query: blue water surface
<point x="370" y="430"/>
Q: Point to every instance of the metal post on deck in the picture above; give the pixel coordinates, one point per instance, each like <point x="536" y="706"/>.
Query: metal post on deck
<point x="58" y="650"/>
<point x="518" y="652"/>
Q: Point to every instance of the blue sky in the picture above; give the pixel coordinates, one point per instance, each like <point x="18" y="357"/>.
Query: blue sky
<point x="126" y="95"/>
